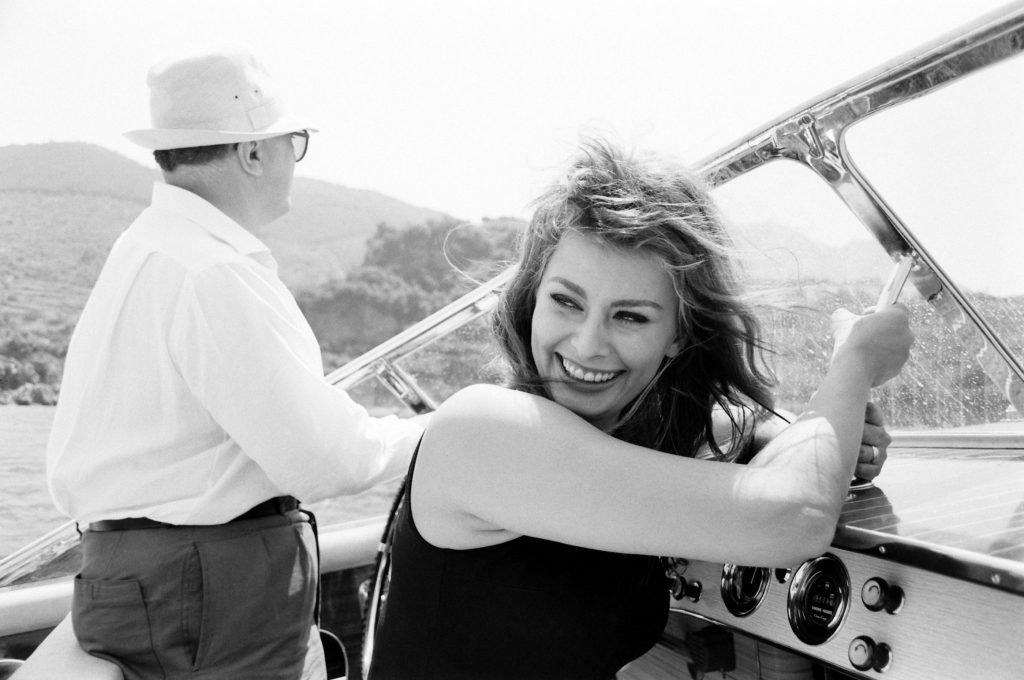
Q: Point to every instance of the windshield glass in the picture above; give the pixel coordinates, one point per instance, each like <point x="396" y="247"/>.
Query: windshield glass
<point x="806" y="254"/>
<point x="949" y="166"/>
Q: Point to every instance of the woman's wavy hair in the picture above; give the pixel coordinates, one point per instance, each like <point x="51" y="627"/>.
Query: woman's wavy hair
<point x="641" y="204"/>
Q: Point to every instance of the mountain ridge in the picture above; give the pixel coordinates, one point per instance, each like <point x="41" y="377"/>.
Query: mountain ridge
<point x="322" y="236"/>
<point x="64" y="203"/>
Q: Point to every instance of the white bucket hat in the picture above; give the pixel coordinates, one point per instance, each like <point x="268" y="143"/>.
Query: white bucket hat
<point x="213" y="97"/>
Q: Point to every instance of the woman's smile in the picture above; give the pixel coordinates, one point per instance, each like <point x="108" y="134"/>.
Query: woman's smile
<point x="587" y="375"/>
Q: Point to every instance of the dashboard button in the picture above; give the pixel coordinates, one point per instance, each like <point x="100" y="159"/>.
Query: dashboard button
<point x="882" y="657"/>
<point x="865" y="654"/>
<point x="862" y="652"/>
<point x="877" y="594"/>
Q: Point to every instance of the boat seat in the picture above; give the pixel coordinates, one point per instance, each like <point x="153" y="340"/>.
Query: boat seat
<point x="59" y="656"/>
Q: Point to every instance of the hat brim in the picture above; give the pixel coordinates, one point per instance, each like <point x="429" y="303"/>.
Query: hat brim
<point x="162" y="139"/>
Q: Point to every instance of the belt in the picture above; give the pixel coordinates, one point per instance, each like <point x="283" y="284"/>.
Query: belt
<point x="274" y="506"/>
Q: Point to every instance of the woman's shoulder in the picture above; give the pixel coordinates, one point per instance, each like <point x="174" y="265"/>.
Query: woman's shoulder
<point x="484" y="412"/>
<point x="479" y="390"/>
<point x="463" y="411"/>
<point x="505" y="421"/>
<point x="481" y="400"/>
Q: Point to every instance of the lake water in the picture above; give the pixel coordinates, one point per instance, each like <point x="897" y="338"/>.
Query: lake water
<point x="26" y="511"/>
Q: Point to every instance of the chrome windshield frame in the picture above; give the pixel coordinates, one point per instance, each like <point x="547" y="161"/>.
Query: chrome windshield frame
<point x="814" y="135"/>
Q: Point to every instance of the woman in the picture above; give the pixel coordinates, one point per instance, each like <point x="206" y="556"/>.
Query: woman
<point x="527" y="546"/>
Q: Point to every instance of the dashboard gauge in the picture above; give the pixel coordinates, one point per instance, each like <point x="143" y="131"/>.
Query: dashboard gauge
<point x="743" y="588"/>
<point x="819" y="598"/>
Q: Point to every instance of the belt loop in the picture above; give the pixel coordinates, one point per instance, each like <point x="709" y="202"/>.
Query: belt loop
<point x="316" y="539"/>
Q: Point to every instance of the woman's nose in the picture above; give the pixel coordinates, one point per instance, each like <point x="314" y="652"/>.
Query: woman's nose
<point x="590" y="338"/>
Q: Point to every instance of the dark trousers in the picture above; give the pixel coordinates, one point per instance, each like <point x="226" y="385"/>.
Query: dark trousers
<point x="228" y="601"/>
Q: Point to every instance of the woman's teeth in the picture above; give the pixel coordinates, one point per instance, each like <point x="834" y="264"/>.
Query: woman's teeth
<point x="579" y="373"/>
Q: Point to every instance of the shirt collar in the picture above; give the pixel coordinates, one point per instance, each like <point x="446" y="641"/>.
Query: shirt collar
<point x="197" y="209"/>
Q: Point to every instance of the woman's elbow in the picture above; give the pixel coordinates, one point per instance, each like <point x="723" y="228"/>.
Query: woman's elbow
<point x="796" y="525"/>
<point x="811" y="531"/>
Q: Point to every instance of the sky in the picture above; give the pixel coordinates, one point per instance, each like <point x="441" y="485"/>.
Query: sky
<point x="464" y="106"/>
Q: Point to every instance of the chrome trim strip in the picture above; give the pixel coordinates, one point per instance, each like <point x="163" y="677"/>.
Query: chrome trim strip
<point x="957" y="563"/>
<point x="929" y="439"/>
<point x="404" y="387"/>
<point x="451" y="317"/>
<point x="37" y="554"/>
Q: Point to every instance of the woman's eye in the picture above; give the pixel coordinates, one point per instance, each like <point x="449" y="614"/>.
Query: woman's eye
<point x="563" y="301"/>
<point x="631" y="317"/>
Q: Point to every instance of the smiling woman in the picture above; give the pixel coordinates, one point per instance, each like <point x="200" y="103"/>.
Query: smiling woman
<point x="605" y="322"/>
<point x="625" y="332"/>
<point x="644" y="239"/>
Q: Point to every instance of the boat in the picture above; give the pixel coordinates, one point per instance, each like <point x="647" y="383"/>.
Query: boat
<point x="925" y="575"/>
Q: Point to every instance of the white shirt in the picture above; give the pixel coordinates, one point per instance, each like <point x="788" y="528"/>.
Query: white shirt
<point x="193" y="387"/>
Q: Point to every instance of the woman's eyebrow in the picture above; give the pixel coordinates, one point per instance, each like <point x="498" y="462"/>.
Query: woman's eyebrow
<point x="616" y="303"/>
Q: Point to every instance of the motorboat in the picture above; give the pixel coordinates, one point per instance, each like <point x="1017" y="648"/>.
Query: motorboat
<point x="904" y="184"/>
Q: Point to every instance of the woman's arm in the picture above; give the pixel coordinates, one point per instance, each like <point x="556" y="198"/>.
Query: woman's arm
<point x="764" y="427"/>
<point x="495" y="464"/>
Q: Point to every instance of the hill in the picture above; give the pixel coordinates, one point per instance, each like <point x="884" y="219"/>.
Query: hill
<point x="771" y="253"/>
<point x="324" y="235"/>
<point x="65" y="203"/>
<point x="72" y="167"/>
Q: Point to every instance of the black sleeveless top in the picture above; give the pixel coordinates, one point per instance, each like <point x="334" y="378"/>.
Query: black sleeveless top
<point x="524" y="609"/>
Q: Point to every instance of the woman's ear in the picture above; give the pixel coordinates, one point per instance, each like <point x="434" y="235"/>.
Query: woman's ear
<point x="675" y="348"/>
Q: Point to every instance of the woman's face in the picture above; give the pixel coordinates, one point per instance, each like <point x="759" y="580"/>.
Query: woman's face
<point x="604" y="321"/>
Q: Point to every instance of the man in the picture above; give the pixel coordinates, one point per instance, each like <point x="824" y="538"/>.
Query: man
<point x="194" y="411"/>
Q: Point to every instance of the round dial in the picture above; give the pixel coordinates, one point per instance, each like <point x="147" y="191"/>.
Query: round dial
<point x="819" y="597"/>
<point x="743" y="588"/>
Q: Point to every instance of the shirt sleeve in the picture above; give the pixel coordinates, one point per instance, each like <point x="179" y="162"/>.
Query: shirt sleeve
<point x="248" y="355"/>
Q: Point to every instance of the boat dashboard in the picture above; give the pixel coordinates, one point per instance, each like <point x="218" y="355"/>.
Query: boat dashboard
<point x="924" y="579"/>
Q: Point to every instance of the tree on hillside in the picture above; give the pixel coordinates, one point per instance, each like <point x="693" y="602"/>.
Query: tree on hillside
<point x="406" y="274"/>
<point x="31" y="366"/>
<point x="439" y="255"/>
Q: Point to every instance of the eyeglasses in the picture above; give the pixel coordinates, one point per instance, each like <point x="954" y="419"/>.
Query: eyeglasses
<point x="300" y="142"/>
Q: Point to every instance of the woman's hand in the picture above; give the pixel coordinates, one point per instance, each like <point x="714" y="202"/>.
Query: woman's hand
<point x="880" y="340"/>
<point x="874" y="444"/>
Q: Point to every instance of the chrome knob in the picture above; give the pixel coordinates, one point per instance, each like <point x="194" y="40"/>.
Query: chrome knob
<point x="681" y="588"/>
<point x="877" y="594"/>
<point x="694" y="590"/>
<point x="865" y="654"/>
<point x="861" y="652"/>
<point x="882" y="658"/>
<point x="677" y="586"/>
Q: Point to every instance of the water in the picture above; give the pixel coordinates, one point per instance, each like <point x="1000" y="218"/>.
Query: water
<point x="26" y="511"/>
